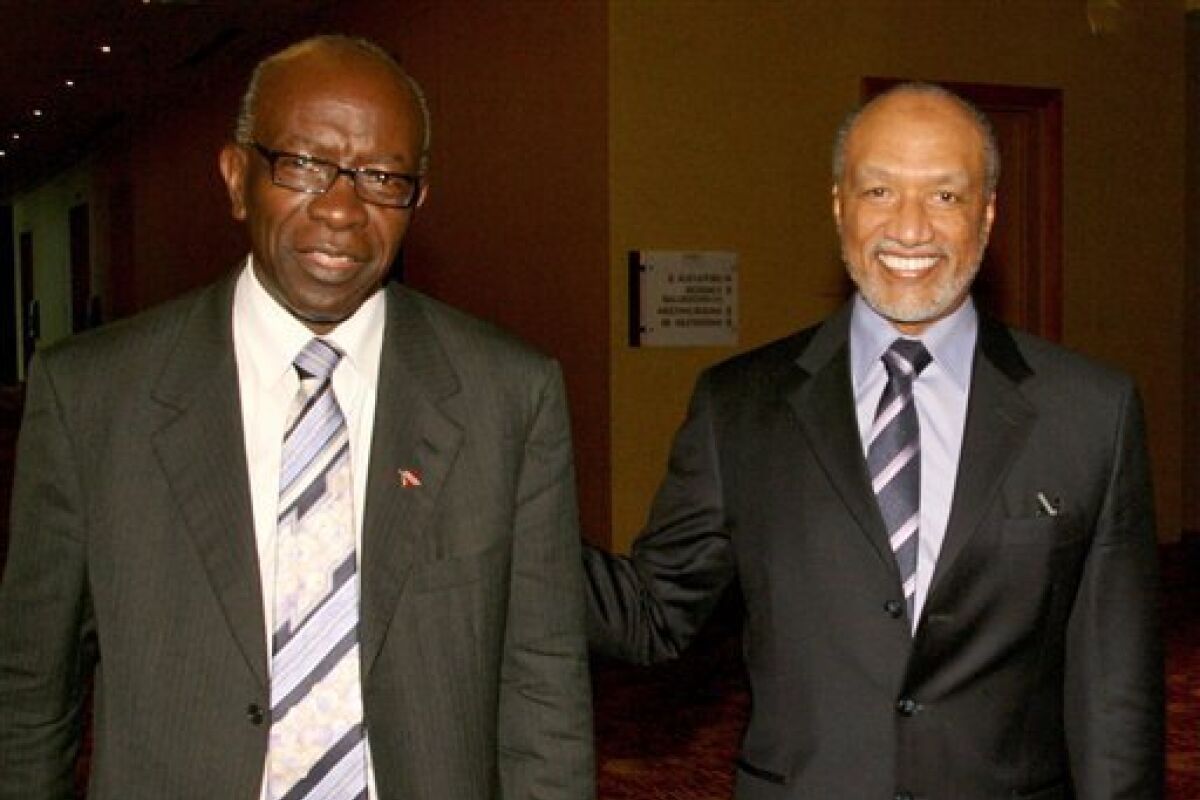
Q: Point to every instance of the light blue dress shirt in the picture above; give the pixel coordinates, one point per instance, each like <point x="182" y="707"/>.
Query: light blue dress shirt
<point x="940" y="392"/>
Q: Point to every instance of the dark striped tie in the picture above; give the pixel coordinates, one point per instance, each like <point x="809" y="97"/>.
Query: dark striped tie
<point x="893" y="459"/>
<point x="317" y="749"/>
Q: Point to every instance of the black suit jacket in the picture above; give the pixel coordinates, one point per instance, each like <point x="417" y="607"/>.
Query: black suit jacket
<point x="133" y="543"/>
<point x="1035" y="671"/>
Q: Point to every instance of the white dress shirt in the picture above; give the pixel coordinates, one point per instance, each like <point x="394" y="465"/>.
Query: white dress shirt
<point x="940" y="393"/>
<point x="266" y="338"/>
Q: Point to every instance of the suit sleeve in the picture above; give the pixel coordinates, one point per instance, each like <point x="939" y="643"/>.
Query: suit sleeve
<point x="545" y="718"/>
<point x="45" y="622"/>
<point x="648" y="607"/>
<point x="1114" y="664"/>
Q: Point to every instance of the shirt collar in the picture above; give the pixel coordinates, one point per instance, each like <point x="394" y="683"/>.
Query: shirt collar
<point x="950" y="340"/>
<point x="278" y="336"/>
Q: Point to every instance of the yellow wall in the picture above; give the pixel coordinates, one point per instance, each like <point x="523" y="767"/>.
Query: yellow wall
<point x="720" y="121"/>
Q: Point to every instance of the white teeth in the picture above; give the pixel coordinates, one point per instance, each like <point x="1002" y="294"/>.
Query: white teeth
<point x="908" y="263"/>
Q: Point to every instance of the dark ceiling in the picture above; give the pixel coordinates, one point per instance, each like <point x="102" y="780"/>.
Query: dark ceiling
<point x="157" y="46"/>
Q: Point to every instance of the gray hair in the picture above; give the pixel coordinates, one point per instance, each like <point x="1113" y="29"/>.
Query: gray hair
<point x="243" y="131"/>
<point x="991" y="152"/>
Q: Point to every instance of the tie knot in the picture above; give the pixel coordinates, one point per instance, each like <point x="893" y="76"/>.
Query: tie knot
<point x="317" y="360"/>
<point x="906" y="358"/>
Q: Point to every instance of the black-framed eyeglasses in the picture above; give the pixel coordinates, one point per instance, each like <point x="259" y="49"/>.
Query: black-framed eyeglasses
<point x="312" y="175"/>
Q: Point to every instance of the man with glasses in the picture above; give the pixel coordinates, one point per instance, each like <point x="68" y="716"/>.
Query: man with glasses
<point x="315" y="537"/>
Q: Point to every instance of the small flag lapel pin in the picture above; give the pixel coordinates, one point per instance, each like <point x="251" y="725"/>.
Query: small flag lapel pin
<point x="408" y="478"/>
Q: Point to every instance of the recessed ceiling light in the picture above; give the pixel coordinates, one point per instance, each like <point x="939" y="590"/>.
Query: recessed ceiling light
<point x="3" y="153"/>
<point x="104" y="48"/>
<point x="69" y="83"/>
<point x="37" y="112"/>
<point x="16" y="136"/>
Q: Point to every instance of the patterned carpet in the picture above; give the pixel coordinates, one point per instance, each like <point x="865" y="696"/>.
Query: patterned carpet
<point x="1181" y="615"/>
<point x="670" y="732"/>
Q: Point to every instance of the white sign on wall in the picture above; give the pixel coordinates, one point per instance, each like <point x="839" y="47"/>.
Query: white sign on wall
<point x="683" y="298"/>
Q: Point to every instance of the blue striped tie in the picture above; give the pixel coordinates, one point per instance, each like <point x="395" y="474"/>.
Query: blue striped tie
<point x="317" y="749"/>
<point x="893" y="459"/>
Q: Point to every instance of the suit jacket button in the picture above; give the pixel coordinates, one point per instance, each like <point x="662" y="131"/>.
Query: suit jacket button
<point x="255" y="714"/>
<point x="894" y="608"/>
<point x="907" y="706"/>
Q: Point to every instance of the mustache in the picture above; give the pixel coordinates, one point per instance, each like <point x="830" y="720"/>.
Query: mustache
<point x="912" y="251"/>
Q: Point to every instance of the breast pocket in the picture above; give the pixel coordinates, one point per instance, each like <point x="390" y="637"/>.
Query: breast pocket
<point x="462" y="570"/>
<point x="1044" y="533"/>
<point x="457" y="609"/>
<point x="1042" y="557"/>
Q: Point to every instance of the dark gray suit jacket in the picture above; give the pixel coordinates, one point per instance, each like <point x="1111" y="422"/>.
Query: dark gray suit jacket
<point x="1035" y="671"/>
<point x="133" y="544"/>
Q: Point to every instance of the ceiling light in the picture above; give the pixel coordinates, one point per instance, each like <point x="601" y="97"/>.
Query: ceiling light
<point x="3" y="153"/>
<point x="69" y="83"/>
<point x="104" y="48"/>
<point x="37" y="112"/>
<point x="16" y="136"/>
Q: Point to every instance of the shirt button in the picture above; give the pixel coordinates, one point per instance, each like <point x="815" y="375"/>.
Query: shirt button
<point x="907" y="706"/>
<point x="255" y="714"/>
<point x="894" y="608"/>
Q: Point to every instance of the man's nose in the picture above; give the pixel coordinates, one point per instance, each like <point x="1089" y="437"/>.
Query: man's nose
<point x="911" y="224"/>
<point x="340" y="206"/>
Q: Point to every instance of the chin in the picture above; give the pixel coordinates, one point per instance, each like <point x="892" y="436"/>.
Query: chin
<point x="908" y="310"/>
<point x="932" y="305"/>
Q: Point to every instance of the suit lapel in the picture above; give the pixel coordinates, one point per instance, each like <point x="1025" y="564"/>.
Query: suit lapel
<point x="413" y="446"/>
<point x="200" y="447"/>
<point x="999" y="419"/>
<point x="823" y="401"/>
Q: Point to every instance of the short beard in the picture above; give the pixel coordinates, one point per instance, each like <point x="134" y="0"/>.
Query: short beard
<point x="919" y="310"/>
<point x="915" y="311"/>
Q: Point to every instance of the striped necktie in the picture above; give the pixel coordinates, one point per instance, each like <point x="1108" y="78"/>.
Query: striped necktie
<point x="317" y="748"/>
<point x="893" y="459"/>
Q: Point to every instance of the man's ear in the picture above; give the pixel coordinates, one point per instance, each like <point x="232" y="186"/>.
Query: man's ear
<point x="232" y="161"/>
<point x="989" y="216"/>
<point x="837" y="206"/>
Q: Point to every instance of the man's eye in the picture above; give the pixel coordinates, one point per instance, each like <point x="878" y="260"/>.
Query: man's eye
<point x="876" y="192"/>
<point x="301" y="163"/>
<point x="946" y="197"/>
<point x="376" y="177"/>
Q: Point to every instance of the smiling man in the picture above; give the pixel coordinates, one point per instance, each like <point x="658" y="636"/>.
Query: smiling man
<point x="941" y="528"/>
<point x="914" y="197"/>
<point x="314" y="536"/>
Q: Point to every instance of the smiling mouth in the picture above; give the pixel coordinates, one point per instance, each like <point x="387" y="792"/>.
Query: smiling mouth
<point x="908" y="265"/>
